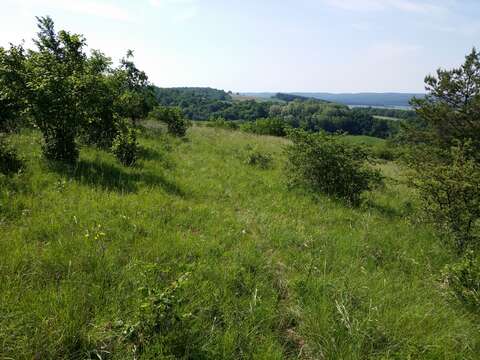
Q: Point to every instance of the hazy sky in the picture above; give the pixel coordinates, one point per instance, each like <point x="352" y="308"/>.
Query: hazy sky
<point x="266" y="45"/>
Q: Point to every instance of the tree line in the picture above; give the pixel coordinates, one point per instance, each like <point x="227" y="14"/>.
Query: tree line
<point x="202" y="104"/>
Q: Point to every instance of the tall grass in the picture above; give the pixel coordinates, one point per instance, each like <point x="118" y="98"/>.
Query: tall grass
<point x="195" y="254"/>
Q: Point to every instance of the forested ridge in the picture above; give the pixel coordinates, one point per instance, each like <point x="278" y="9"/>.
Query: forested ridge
<point x="203" y="104"/>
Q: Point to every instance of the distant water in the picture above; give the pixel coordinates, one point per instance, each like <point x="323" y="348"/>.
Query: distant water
<point x="395" y="107"/>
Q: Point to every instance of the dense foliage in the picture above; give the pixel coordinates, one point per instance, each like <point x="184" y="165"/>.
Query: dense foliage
<point x="290" y="97"/>
<point x="313" y="115"/>
<point x="125" y="146"/>
<point x="172" y="116"/>
<point x="269" y="126"/>
<point x="451" y="109"/>
<point x="444" y="151"/>
<point x="68" y="94"/>
<point x="295" y="111"/>
<point x="463" y="280"/>
<point x="12" y="87"/>
<point x="10" y="162"/>
<point x="329" y="165"/>
<point x="449" y="186"/>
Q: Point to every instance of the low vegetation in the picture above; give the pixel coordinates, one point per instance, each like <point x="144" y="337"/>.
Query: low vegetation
<point x="194" y="253"/>
<point x="327" y="164"/>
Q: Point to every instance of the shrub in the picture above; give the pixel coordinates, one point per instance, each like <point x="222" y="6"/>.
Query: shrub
<point x="56" y="89"/>
<point x="60" y="146"/>
<point x="329" y="164"/>
<point x="99" y="132"/>
<point x="270" y="126"/>
<point x="9" y="160"/>
<point x="448" y="182"/>
<point x="172" y="116"/>
<point x="221" y="123"/>
<point x="12" y="89"/>
<point x="384" y="152"/>
<point x="125" y="146"/>
<point x="463" y="280"/>
<point x="256" y="158"/>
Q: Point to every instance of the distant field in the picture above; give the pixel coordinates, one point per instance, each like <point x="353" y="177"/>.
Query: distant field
<point x="194" y="254"/>
<point x="386" y="118"/>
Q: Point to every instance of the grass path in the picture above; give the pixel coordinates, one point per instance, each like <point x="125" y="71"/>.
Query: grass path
<point x="196" y="254"/>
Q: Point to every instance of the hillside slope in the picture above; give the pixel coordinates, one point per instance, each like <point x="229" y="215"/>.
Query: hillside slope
<point x="195" y="254"/>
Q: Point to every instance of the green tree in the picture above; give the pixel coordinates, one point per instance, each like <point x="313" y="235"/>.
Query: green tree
<point x="100" y="127"/>
<point x="12" y="87"/>
<point x="448" y="182"/>
<point x="451" y="109"/>
<point x="445" y="151"/>
<point x="56" y="89"/>
<point x="135" y="98"/>
<point x="12" y="103"/>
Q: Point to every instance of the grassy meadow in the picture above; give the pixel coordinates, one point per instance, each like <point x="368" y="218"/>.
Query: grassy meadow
<point x="194" y="254"/>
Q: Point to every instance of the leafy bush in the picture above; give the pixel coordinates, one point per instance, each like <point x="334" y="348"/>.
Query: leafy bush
<point x="9" y="160"/>
<point x="172" y="116"/>
<point x="60" y="146"/>
<point x="448" y="182"/>
<point x="12" y="89"/>
<point x="270" y="126"/>
<point x="328" y="164"/>
<point x="257" y="158"/>
<point x="125" y="146"/>
<point x="56" y="89"/>
<point x="221" y="123"/>
<point x="463" y="280"/>
<point x="385" y="152"/>
<point x="99" y="127"/>
<point x="157" y="315"/>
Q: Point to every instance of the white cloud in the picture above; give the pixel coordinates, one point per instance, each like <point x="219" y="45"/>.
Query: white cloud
<point x="413" y="6"/>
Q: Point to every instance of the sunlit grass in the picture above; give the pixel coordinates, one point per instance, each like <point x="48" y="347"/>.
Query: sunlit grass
<point x="241" y="266"/>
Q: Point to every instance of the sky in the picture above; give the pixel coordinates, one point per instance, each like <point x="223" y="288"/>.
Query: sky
<point x="267" y="45"/>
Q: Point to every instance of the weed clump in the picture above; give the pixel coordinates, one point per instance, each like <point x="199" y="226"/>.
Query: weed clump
<point x="259" y="159"/>
<point x="463" y="280"/>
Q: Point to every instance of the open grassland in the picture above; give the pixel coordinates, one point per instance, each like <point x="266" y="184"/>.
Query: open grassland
<point x="386" y="118"/>
<point x="195" y="254"/>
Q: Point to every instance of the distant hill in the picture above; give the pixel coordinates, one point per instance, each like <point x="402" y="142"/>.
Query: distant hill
<point x="400" y="100"/>
<point x="206" y="103"/>
<point x="173" y="94"/>
<point x="294" y="97"/>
